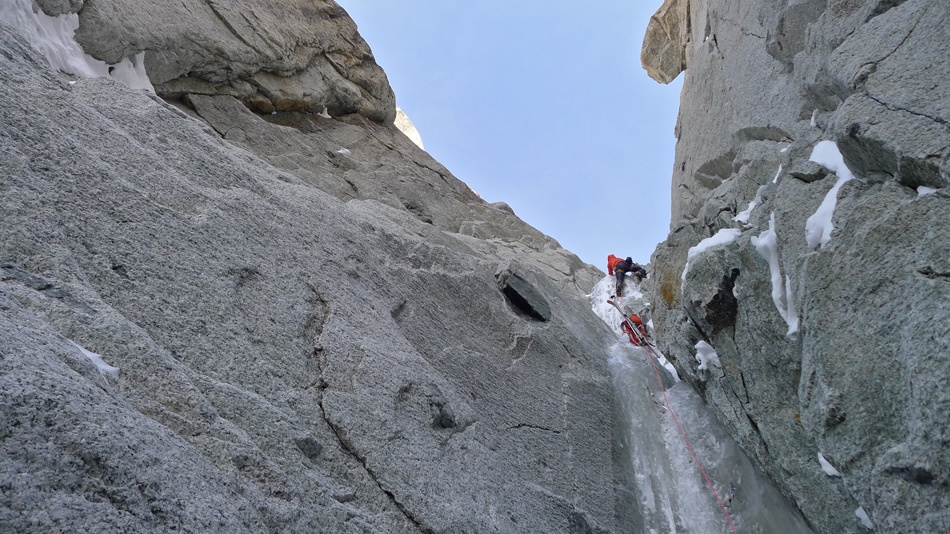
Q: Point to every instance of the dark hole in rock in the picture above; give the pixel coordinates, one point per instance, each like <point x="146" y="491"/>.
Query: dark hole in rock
<point x="443" y="416"/>
<point x="721" y="311"/>
<point x="309" y="447"/>
<point x="525" y="298"/>
<point x="915" y="474"/>
<point x="579" y="524"/>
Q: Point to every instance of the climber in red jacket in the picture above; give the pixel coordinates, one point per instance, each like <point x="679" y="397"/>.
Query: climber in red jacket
<point x="619" y="268"/>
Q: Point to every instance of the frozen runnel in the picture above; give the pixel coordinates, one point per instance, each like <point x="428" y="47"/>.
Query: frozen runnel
<point x="666" y="492"/>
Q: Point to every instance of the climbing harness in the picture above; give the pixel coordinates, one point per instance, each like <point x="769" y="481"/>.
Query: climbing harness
<point x="651" y="349"/>
<point x="731" y="495"/>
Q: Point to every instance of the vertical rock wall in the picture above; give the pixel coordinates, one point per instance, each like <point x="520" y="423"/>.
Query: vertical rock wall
<point x="317" y="328"/>
<point x="840" y="349"/>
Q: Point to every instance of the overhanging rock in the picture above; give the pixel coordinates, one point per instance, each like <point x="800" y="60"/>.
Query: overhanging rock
<point x="293" y="55"/>
<point x="524" y="297"/>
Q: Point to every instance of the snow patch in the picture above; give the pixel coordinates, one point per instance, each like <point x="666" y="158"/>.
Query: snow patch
<point x="104" y="368"/>
<point x="660" y="357"/>
<point x="743" y="217"/>
<point x="923" y="191"/>
<point x="705" y="354"/>
<point x="726" y="235"/>
<point x="785" y="149"/>
<point x="53" y="37"/>
<point x="818" y="227"/>
<point x="792" y="317"/>
<point x="827" y="155"/>
<point x="604" y="290"/>
<point x="827" y="467"/>
<point x="813" y="115"/>
<point x="344" y="151"/>
<point x="767" y="246"/>
<point x="863" y="516"/>
<point x="324" y="113"/>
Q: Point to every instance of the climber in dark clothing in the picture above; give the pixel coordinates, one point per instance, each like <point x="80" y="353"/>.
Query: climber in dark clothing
<point x="619" y="268"/>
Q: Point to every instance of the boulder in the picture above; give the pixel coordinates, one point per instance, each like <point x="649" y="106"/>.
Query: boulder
<point x="895" y="125"/>
<point x="296" y="55"/>
<point x="55" y="8"/>
<point x="664" y="51"/>
<point x="786" y="36"/>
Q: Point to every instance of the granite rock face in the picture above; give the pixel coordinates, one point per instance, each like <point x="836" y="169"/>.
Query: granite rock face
<point x="665" y="44"/>
<point x="843" y="349"/>
<point x="353" y="158"/>
<point x="55" y="8"/>
<point x="405" y="126"/>
<point x="309" y="317"/>
<point x="293" y="55"/>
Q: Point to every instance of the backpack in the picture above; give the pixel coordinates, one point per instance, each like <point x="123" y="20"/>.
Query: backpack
<point x="635" y="319"/>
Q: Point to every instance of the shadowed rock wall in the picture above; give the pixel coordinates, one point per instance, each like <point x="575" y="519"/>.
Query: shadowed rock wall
<point x="863" y="381"/>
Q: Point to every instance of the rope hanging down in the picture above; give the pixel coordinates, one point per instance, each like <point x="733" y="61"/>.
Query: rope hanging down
<point x="652" y="355"/>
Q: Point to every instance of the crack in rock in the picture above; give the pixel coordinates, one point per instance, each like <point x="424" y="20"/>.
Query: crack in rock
<point x="933" y="275"/>
<point x="892" y="107"/>
<point x="741" y="27"/>
<point x="347" y="448"/>
<point x="536" y="427"/>
<point x="232" y="29"/>
<point x="10" y="272"/>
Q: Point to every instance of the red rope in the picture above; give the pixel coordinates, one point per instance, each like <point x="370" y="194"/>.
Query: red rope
<point x="675" y="420"/>
<point x="690" y="447"/>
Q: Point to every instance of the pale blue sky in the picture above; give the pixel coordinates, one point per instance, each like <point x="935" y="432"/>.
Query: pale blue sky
<point x="541" y="104"/>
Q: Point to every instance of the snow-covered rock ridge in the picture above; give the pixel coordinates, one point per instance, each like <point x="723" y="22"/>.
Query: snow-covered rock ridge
<point x="830" y="310"/>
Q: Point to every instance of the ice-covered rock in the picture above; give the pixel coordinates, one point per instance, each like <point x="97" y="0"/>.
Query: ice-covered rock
<point x="862" y="261"/>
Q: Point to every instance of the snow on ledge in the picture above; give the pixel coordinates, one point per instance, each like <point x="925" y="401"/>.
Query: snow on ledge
<point x="726" y="235"/>
<point x="818" y="227"/>
<point x="104" y="368"/>
<point x="827" y="467"/>
<point x="53" y="37"/>
<point x="743" y="216"/>
<point x="923" y="191"/>
<point x="777" y="174"/>
<point x="791" y="316"/>
<point x="766" y="244"/>
<point x="706" y="354"/>
<point x="863" y="516"/>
